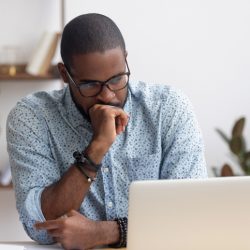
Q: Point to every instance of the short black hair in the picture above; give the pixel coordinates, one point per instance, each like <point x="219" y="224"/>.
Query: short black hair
<point x="89" y="33"/>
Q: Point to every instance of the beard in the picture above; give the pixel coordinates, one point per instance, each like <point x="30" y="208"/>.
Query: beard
<point x="86" y="114"/>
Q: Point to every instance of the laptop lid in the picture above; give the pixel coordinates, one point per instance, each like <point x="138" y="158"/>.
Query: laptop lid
<point x="205" y="214"/>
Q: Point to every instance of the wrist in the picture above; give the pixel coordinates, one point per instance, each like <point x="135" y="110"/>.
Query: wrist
<point x="82" y="160"/>
<point x="90" y="176"/>
<point x="108" y="232"/>
<point x="96" y="151"/>
<point x="122" y="224"/>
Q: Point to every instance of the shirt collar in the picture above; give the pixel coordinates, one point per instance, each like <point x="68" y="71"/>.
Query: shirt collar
<point x="70" y="111"/>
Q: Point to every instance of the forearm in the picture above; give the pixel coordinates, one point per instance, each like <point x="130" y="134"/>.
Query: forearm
<point x="64" y="195"/>
<point x="69" y="192"/>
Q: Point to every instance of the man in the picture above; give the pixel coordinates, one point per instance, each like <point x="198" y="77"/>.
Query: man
<point x="74" y="152"/>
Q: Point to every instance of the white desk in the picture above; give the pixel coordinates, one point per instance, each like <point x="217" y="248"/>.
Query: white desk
<point x="26" y="246"/>
<point x="32" y="246"/>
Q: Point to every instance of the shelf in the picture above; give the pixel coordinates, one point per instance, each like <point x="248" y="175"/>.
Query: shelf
<point x="10" y="186"/>
<point x="22" y="75"/>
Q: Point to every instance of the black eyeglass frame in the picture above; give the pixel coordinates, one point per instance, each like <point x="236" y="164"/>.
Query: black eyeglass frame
<point x="102" y="83"/>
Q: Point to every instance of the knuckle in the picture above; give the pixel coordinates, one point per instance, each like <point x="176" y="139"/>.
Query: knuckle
<point x="106" y="112"/>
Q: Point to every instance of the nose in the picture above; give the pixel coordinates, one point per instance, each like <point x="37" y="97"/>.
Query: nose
<point x="106" y="95"/>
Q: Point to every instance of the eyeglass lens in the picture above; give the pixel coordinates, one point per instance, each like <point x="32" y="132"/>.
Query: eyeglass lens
<point x="93" y="88"/>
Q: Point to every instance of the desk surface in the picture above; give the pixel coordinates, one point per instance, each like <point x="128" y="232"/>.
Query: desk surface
<point x="33" y="246"/>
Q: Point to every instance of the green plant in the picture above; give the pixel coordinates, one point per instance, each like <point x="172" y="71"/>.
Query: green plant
<point x="237" y="146"/>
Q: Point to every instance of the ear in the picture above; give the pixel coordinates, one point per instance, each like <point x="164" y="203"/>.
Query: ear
<point x="126" y="54"/>
<point x="63" y="73"/>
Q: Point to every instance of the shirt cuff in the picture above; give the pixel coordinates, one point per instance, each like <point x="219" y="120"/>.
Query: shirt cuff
<point x="33" y="205"/>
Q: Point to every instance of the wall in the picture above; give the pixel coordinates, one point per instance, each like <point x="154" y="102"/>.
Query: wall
<point x="201" y="47"/>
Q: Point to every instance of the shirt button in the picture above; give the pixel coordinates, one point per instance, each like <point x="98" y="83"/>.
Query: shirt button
<point x="110" y="204"/>
<point x="105" y="170"/>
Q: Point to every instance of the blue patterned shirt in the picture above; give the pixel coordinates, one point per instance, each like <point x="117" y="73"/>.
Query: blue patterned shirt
<point x="162" y="141"/>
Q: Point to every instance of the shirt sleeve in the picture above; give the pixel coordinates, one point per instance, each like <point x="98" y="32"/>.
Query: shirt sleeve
<point x="32" y="165"/>
<point x="183" y="147"/>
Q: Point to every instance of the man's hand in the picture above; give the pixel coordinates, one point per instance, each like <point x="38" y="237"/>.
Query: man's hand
<point x="107" y="122"/>
<point x="73" y="231"/>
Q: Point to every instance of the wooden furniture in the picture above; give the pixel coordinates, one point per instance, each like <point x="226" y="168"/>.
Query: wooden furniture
<point x="10" y="186"/>
<point x="22" y="75"/>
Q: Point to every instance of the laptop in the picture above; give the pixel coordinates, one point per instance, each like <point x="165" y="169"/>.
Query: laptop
<point x="200" y="214"/>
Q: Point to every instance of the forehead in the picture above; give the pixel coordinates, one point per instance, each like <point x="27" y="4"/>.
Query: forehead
<point x="98" y="65"/>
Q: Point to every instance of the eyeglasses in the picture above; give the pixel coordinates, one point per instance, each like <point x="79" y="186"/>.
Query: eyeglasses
<point x="91" y="88"/>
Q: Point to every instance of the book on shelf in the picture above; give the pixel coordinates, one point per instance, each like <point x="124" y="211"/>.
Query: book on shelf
<point x="43" y="54"/>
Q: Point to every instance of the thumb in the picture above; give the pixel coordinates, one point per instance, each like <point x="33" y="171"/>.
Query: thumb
<point x="72" y="213"/>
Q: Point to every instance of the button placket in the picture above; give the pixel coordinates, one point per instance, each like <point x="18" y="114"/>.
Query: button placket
<point x="110" y="204"/>
<point x="105" y="170"/>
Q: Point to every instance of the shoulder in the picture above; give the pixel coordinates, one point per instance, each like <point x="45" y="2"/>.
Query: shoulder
<point x="43" y="99"/>
<point x="167" y="96"/>
<point x="36" y="105"/>
<point x="142" y="90"/>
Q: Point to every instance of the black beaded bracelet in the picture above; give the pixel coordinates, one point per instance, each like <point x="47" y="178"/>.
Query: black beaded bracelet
<point x="123" y="229"/>
<point x="80" y="167"/>
<point x="80" y="158"/>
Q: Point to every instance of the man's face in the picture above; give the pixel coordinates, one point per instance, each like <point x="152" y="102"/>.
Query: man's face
<point x="97" y="66"/>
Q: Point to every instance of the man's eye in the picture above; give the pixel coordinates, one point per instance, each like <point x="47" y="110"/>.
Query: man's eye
<point x="86" y="85"/>
<point x="115" y="80"/>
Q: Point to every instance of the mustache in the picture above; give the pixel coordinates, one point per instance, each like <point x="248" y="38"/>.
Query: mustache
<point x="114" y="104"/>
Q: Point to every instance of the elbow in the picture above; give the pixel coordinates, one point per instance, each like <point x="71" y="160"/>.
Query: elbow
<point x="40" y="236"/>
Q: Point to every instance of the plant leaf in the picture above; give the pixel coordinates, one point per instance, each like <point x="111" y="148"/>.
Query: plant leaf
<point x="227" y="170"/>
<point x="238" y="127"/>
<point x="223" y="135"/>
<point x="237" y="145"/>
<point x="246" y="163"/>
